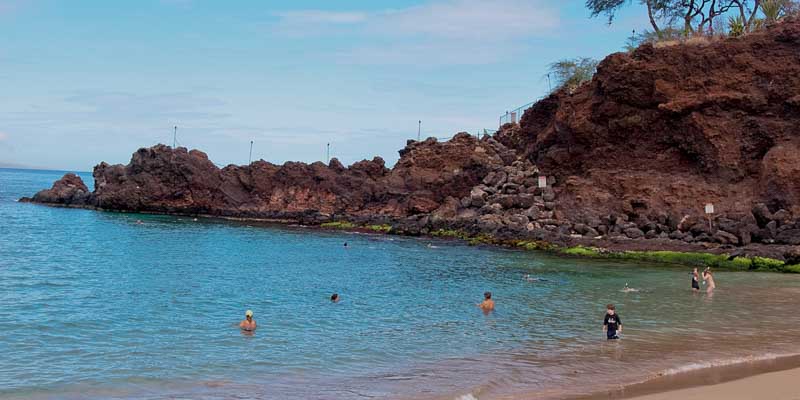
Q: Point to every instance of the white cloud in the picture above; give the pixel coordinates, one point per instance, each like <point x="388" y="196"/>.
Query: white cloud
<point x="303" y="17"/>
<point x="441" y="32"/>
<point x="455" y="19"/>
<point x="470" y="19"/>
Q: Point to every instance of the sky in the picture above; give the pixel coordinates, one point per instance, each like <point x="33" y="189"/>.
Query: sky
<point x="85" y="81"/>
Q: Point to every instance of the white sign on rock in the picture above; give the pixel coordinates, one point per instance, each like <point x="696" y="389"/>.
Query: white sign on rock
<point x="709" y="208"/>
<point x="542" y="181"/>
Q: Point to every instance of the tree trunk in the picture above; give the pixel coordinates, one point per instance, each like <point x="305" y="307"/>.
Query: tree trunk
<point x="749" y="23"/>
<point x="711" y="15"/>
<point x="652" y="19"/>
<point x="687" y="19"/>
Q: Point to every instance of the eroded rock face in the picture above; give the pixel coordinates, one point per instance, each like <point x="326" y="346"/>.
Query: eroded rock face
<point x="672" y="128"/>
<point x="69" y="190"/>
<point x="162" y="179"/>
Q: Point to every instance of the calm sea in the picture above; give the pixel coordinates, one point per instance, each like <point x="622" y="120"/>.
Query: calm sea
<point x="96" y="305"/>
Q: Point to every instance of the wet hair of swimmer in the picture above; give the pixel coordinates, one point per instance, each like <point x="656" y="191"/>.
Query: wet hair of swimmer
<point x="335" y="297"/>
<point x="487" y="295"/>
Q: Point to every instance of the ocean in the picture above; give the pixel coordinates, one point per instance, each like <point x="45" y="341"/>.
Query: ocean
<point x="103" y="305"/>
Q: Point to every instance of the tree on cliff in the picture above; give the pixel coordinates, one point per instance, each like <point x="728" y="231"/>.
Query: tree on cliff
<point x="571" y="73"/>
<point x="695" y="16"/>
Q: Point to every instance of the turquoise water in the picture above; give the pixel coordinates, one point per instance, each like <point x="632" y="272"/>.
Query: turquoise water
<point x="96" y="305"/>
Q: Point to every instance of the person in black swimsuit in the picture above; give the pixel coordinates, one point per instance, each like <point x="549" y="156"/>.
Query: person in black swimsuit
<point x="695" y="280"/>
<point x="612" y="324"/>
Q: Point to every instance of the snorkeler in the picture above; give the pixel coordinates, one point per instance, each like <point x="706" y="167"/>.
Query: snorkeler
<point x="335" y="298"/>
<point x="248" y="324"/>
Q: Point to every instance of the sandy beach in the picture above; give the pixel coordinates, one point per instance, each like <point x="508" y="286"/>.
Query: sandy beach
<point x="781" y="385"/>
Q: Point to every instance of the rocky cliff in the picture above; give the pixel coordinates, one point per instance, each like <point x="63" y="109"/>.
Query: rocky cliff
<point x="633" y="155"/>
<point x="672" y="128"/>
<point x="165" y="180"/>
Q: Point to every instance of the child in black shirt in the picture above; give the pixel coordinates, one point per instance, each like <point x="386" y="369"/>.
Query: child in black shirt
<point x="612" y="324"/>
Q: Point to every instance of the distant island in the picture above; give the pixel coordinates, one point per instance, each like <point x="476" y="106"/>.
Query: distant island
<point x="682" y="148"/>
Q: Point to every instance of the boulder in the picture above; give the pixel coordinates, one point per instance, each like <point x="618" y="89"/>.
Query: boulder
<point x="69" y="190"/>
<point x="634" y="233"/>
<point x="762" y="214"/>
<point x="548" y="194"/>
<point x="477" y="197"/>
<point x="725" y="238"/>
<point x="782" y="217"/>
<point x="789" y="236"/>
<point x="532" y="213"/>
<point x="792" y="256"/>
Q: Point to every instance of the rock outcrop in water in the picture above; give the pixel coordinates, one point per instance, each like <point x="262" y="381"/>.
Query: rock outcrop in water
<point x="165" y="180"/>
<point x="630" y="159"/>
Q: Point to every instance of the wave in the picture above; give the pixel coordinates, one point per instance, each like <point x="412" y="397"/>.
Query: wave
<point x="703" y="365"/>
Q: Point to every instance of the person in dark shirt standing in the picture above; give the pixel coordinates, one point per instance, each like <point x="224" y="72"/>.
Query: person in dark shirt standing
<point x="612" y="324"/>
<point x="695" y="281"/>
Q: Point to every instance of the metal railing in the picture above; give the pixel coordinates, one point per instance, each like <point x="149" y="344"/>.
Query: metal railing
<point x="478" y="134"/>
<point x="515" y="115"/>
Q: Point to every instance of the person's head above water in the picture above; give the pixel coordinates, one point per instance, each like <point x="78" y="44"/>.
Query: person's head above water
<point x="487" y="295"/>
<point x="335" y="297"/>
<point x="248" y="314"/>
<point x="610" y="309"/>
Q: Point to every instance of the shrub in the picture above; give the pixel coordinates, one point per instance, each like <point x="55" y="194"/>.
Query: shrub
<point x="736" y="26"/>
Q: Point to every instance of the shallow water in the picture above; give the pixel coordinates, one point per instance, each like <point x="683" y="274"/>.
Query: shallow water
<point x="95" y="305"/>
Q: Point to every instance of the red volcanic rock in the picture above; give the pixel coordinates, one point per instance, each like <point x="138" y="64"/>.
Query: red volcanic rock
<point x="165" y="180"/>
<point x="69" y="190"/>
<point x="672" y="128"/>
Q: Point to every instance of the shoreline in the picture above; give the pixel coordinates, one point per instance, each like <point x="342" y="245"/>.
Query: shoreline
<point x="753" y="258"/>
<point x="715" y="381"/>
<point x="774" y="382"/>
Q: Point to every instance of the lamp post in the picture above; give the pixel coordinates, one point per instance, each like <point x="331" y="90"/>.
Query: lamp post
<point x="250" y="159"/>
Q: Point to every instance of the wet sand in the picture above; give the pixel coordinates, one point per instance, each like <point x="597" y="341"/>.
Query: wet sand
<point x="771" y="378"/>
<point x="781" y="385"/>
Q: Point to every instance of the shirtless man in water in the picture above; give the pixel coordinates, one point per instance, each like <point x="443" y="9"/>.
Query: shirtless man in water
<point x="488" y="303"/>
<point x="248" y="324"/>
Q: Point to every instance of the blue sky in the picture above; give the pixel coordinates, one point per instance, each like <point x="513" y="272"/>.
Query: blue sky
<point x="85" y="81"/>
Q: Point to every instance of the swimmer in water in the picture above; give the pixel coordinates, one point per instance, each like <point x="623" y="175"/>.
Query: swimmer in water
<point x="139" y="222"/>
<point x="487" y="304"/>
<point x="530" y="278"/>
<point x="627" y="289"/>
<point x="708" y="279"/>
<point x="335" y="298"/>
<point x="345" y="244"/>
<point x="695" y="281"/>
<point x="248" y="324"/>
